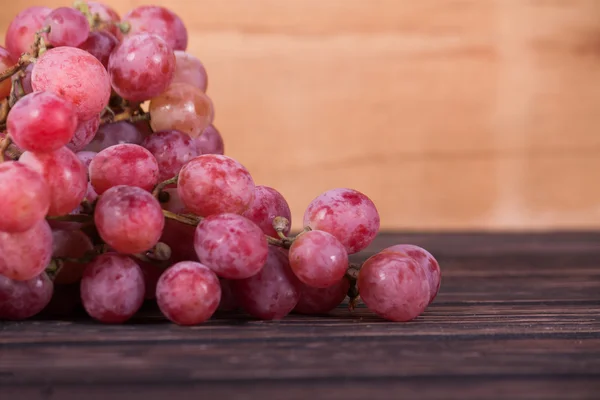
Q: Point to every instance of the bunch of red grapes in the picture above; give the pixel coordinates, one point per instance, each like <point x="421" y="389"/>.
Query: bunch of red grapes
<point x="113" y="179"/>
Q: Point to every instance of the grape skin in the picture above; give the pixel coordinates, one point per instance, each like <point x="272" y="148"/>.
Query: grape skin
<point x="316" y="301"/>
<point x="100" y="44"/>
<point x="116" y="133"/>
<point x="347" y="214"/>
<point x="231" y="245"/>
<point x="210" y="141"/>
<point x="25" y="255"/>
<point x="6" y="61"/>
<point x="21" y="31"/>
<point x="84" y="134"/>
<point x="112" y="288"/>
<point x="68" y="27"/>
<point x="71" y="244"/>
<point x="228" y="299"/>
<point x="393" y="286"/>
<point x="152" y="274"/>
<point x="160" y="21"/>
<point x="129" y="219"/>
<point x="106" y="15"/>
<point x="188" y="293"/>
<point x="20" y="300"/>
<point x="188" y="69"/>
<point x="268" y="203"/>
<point x="215" y="184"/>
<point x="172" y="149"/>
<point x="24" y="197"/>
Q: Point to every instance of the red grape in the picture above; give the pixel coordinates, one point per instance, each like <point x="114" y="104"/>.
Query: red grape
<point x="268" y="203"/>
<point x="84" y="134"/>
<point x="322" y="300"/>
<point x="65" y="175"/>
<point x="210" y="141"/>
<point x="152" y="274"/>
<point x="68" y="27"/>
<point x="426" y="261"/>
<point x="42" y="122"/>
<point x="106" y="15"/>
<point x="77" y="76"/>
<point x="21" y="31"/>
<point x="23" y="197"/>
<point x="141" y="67"/>
<point x="123" y="164"/>
<point x="188" y="293"/>
<point x="273" y="292"/>
<point x="215" y="184"/>
<point x="231" y="245"/>
<point x="129" y="219"/>
<point x="25" y="255"/>
<point x="182" y="107"/>
<point x="71" y="244"/>
<point x="100" y="44"/>
<point x="115" y="133"/>
<point x="228" y="300"/>
<point x="393" y="286"/>
<point x="180" y="238"/>
<point x="159" y="21"/>
<point x="318" y="259"/>
<point x="172" y="149"/>
<point x="347" y="214"/>
<point x="6" y="61"/>
<point x="190" y="70"/>
<point x="20" y="300"/>
<point x="112" y="288"/>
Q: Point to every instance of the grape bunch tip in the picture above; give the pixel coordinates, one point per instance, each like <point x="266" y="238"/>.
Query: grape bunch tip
<point x="115" y="181"/>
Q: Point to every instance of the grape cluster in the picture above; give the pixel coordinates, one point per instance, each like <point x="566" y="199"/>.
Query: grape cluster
<point x="113" y="178"/>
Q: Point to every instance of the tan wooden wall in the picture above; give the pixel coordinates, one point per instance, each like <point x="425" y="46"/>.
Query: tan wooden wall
<point x="450" y="114"/>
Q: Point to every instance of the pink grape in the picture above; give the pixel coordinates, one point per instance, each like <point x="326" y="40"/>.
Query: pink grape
<point x="215" y="184"/>
<point x="123" y="164"/>
<point x="318" y="259"/>
<point x="23" y="197"/>
<point x="322" y="300"/>
<point x="426" y="261"/>
<point x="141" y="67"/>
<point x="393" y="286"/>
<point x="20" y="300"/>
<point x="25" y="81"/>
<point x="231" y="245"/>
<point x="190" y="70"/>
<point x="25" y="255"/>
<point x="21" y="31"/>
<point x="108" y="16"/>
<point x="347" y="214"/>
<point x="268" y="203"/>
<point x="182" y="107"/>
<point x="65" y="175"/>
<point x="86" y="157"/>
<point x="210" y="141"/>
<point x="159" y="21"/>
<point x="273" y="292"/>
<point x="84" y="134"/>
<point x="152" y="274"/>
<point x="100" y="44"/>
<point x="71" y="244"/>
<point x="6" y="61"/>
<point x="228" y="299"/>
<point x="129" y="219"/>
<point x="172" y="149"/>
<point x="68" y="27"/>
<point x="42" y="122"/>
<point x="188" y="293"/>
<point x="116" y="133"/>
<point x="112" y="288"/>
<point x="77" y="76"/>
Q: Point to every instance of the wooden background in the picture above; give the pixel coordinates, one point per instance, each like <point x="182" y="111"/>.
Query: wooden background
<point x="450" y="114"/>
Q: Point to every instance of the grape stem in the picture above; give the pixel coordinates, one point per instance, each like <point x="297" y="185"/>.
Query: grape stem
<point x="16" y="90"/>
<point x="73" y="218"/>
<point x="159" y="188"/>
<point x="126" y="115"/>
<point x="4" y="146"/>
<point x="188" y="219"/>
<point x="352" y="276"/>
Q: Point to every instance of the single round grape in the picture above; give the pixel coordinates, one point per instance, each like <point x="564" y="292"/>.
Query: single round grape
<point x="159" y="21"/>
<point x="65" y="175"/>
<point x="210" y="141"/>
<point x="20" y="300"/>
<point x="123" y="164"/>
<point x="426" y="261"/>
<point x="231" y="245"/>
<point x="84" y="134"/>
<point x="228" y="299"/>
<point x="182" y="107"/>
<point x="42" y="122"/>
<point x="71" y="244"/>
<point x="317" y="301"/>
<point x="108" y="16"/>
<point x="77" y="76"/>
<point x="318" y="259"/>
<point x="188" y="293"/>
<point x="393" y="286"/>
<point x="172" y="149"/>
<point x="24" y="197"/>
<point x="129" y="219"/>
<point x="152" y="274"/>
<point x="273" y="292"/>
<point x="112" y="288"/>
<point x="100" y="44"/>
<point x="180" y="238"/>
<point x="26" y="80"/>
<point x="116" y="133"/>
<point x="190" y="70"/>
<point x="68" y="27"/>
<point x="141" y="67"/>
<point x="21" y="31"/>
<point x="6" y="61"/>
<point x="268" y="203"/>
<point x="347" y="214"/>
<point x="215" y="184"/>
<point x="25" y="255"/>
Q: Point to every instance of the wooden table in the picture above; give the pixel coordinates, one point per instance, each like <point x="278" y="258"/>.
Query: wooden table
<point x="518" y="316"/>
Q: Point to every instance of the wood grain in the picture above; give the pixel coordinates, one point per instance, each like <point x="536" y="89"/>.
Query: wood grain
<point x="450" y="114"/>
